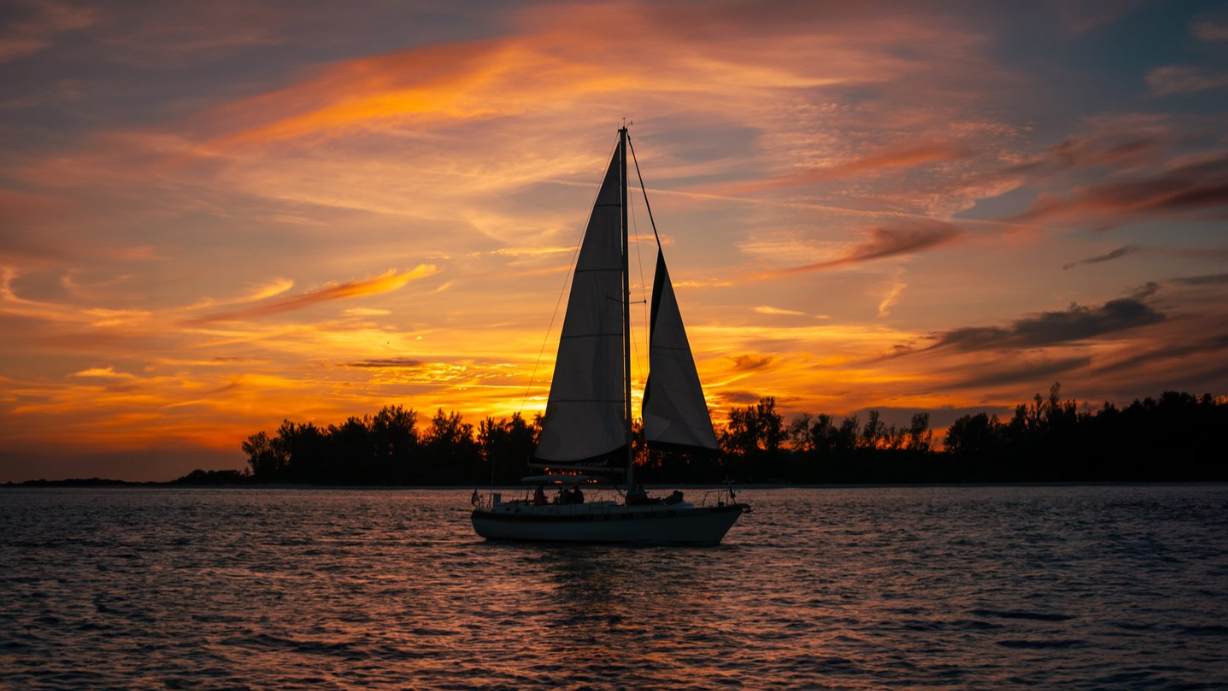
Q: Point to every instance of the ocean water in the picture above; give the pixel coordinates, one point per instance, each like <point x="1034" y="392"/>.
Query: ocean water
<point x="1112" y="587"/>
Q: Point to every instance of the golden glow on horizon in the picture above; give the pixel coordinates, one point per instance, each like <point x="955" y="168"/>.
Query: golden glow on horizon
<point x="856" y="214"/>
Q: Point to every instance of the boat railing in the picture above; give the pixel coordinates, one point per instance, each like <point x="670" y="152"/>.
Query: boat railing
<point x="720" y="497"/>
<point x="597" y="503"/>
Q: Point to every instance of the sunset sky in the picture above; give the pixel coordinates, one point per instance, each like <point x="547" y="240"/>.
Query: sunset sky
<point x="217" y="215"/>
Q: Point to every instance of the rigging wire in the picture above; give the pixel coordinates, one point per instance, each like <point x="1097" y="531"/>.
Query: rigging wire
<point x="645" y="191"/>
<point x="639" y="260"/>
<point x="566" y="279"/>
<point x="647" y="326"/>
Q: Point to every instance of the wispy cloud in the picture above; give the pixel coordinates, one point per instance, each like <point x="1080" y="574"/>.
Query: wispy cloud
<point x="1124" y="150"/>
<point x="397" y="362"/>
<point x="903" y="238"/>
<point x="892" y="296"/>
<point x="1208" y="280"/>
<point x="367" y="312"/>
<point x="1100" y="259"/>
<point x="895" y="158"/>
<point x="35" y="26"/>
<point x="531" y="251"/>
<point x="1039" y="373"/>
<point x="385" y="283"/>
<point x="260" y="292"/>
<point x="187" y="36"/>
<point x="1171" y="352"/>
<point x="740" y="397"/>
<point x="1081" y="16"/>
<point x="1192" y="185"/>
<point x="1208" y="30"/>
<point x="1166" y="81"/>
<point x="768" y="309"/>
<point x="103" y="373"/>
<point x="750" y="363"/>
<point x="1051" y="328"/>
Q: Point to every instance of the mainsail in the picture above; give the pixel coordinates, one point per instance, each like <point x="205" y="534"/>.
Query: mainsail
<point x="675" y="413"/>
<point x="585" y="412"/>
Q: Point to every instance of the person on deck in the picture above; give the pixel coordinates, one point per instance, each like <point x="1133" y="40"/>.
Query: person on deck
<point x="577" y="496"/>
<point x="539" y="495"/>
<point x="637" y="495"/>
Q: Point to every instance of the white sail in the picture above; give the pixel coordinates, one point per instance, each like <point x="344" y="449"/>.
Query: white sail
<point x="675" y="413"/>
<point x="585" y="411"/>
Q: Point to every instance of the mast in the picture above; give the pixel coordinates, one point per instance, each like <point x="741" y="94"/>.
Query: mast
<point x="622" y="162"/>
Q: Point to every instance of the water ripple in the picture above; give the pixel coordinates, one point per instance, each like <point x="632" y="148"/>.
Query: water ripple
<point x="1071" y="587"/>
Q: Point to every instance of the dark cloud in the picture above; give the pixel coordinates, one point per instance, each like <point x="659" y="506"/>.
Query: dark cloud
<point x="1145" y="291"/>
<point x="1195" y="186"/>
<point x="1171" y="351"/>
<point x="1210" y="280"/>
<point x="400" y="362"/>
<point x="1052" y="328"/>
<point x="1206" y="253"/>
<point x="742" y="397"/>
<point x="1112" y="151"/>
<point x="748" y="363"/>
<point x="1215" y="253"/>
<point x="1115" y="254"/>
<point x="904" y="238"/>
<point x="1040" y="373"/>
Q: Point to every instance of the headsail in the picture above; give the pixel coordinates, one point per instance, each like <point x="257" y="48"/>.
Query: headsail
<point x="585" y="411"/>
<point x="675" y="413"/>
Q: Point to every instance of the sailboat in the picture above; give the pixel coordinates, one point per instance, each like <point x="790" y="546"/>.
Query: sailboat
<point x="587" y="433"/>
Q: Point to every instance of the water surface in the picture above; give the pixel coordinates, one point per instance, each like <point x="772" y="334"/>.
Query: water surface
<point x="1122" y="587"/>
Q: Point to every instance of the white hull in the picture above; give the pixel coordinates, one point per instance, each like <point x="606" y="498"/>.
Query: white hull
<point x="608" y="522"/>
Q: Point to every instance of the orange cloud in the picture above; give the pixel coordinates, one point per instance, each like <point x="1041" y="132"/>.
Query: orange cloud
<point x="385" y="283"/>
<point x="562" y="61"/>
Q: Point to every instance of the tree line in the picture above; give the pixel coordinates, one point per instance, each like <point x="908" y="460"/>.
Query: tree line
<point x="1174" y="437"/>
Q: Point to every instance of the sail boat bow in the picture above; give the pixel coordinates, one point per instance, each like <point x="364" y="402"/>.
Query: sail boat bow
<point x="587" y="424"/>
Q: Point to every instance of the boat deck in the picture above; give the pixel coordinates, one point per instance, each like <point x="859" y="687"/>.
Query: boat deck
<point x="606" y="521"/>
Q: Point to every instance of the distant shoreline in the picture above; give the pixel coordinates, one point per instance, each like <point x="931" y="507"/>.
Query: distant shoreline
<point x="125" y="484"/>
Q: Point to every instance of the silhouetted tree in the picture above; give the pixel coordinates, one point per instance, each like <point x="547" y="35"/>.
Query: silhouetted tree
<point x="872" y="434"/>
<point x="920" y="437"/>
<point x="267" y="462"/>
<point x="394" y="444"/>
<point x="751" y="440"/>
<point x="506" y="447"/>
<point x="973" y="435"/>
<point x="451" y="453"/>
<point x="1175" y="436"/>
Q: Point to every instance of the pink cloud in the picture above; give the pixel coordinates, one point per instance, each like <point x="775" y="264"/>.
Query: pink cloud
<point x="895" y="158"/>
<point x="1165" y="81"/>
<point x="1189" y="186"/>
